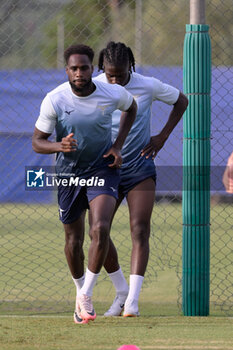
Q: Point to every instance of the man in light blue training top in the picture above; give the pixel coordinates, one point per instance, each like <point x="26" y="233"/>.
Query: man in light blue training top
<point x="137" y="173"/>
<point x="81" y="113"/>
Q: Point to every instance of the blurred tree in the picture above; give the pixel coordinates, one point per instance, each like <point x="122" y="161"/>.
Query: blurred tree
<point x="163" y="32"/>
<point x="85" y="21"/>
<point x="29" y="39"/>
<point x="219" y="16"/>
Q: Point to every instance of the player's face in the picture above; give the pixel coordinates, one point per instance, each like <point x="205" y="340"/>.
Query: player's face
<point x="79" y="70"/>
<point x="117" y="74"/>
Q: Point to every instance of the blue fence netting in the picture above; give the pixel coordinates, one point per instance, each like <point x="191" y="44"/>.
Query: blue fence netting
<point x="22" y="92"/>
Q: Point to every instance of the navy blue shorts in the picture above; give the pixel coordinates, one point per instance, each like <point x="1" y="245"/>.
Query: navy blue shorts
<point x="75" y="198"/>
<point x="127" y="183"/>
<point x="134" y="172"/>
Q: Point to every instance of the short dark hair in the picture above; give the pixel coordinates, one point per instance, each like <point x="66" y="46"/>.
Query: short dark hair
<point x="116" y="54"/>
<point x="79" y="49"/>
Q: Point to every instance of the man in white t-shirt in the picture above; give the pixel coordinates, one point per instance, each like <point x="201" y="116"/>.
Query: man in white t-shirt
<point x="138" y="175"/>
<point x="81" y="113"/>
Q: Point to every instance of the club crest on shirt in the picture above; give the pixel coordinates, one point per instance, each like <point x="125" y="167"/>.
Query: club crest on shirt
<point x="102" y="108"/>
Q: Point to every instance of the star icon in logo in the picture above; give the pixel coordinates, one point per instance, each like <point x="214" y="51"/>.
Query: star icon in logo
<point x="39" y="174"/>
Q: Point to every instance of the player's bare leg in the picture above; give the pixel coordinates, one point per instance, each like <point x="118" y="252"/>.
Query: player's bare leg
<point x="140" y="201"/>
<point x="102" y="209"/>
<point x="74" y="236"/>
<point x="111" y="261"/>
<point x="115" y="273"/>
<point x="118" y="280"/>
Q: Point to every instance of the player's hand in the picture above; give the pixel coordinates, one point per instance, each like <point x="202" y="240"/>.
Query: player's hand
<point x="116" y="153"/>
<point x="153" y="147"/>
<point x="68" y="143"/>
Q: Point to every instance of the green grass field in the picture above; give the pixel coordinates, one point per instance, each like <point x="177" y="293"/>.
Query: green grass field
<point x="37" y="294"/>
<point x="171" y="333"/>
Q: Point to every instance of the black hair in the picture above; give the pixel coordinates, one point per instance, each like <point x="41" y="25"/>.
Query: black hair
<point x="78" y="49"/>
<point x="116" y="54"/>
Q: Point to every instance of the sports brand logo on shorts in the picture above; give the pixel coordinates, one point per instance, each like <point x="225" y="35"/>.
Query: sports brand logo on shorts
<point x="35" y="178"/>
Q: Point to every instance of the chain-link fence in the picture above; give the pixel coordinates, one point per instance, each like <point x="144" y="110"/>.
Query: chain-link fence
<point x="33" y="35"/>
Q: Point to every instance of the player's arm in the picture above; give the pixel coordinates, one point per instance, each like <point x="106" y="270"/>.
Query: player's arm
<point x="44" y="127"/>
<point x="158" y="141"/>
<point x="41" y="144"/>
<point x="126" y="122"/>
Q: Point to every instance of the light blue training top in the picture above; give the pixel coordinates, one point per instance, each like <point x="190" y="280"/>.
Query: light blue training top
<point x="89" y="118"/>
<point x="145" y="90"/>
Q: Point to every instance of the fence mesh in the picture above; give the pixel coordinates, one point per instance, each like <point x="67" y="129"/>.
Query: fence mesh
<point x="34" y="276"/>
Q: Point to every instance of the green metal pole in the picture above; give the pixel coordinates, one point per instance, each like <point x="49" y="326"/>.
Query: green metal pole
<point x="196" y="171"/>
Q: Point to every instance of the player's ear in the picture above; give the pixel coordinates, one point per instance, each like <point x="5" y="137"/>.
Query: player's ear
<point x="92" y="68"/>
<point x="66" y="69"/>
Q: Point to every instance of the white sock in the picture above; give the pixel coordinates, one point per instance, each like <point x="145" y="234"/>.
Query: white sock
<point x="119" y="282"/>
<point x="90" y="281"/>
<point x="79" y="283"/>
<point x="135" y="284"/>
